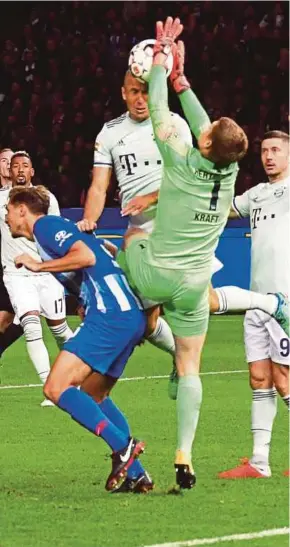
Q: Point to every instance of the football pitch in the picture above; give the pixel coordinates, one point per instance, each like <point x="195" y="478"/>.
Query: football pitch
<point x="52" y="472"/>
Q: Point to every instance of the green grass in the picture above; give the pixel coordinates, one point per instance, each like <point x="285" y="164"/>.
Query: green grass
<point x="53" y="472"/>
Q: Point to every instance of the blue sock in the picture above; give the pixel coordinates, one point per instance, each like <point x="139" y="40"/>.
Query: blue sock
<point x="84" y="410"/>
<point x="115" y="415"/>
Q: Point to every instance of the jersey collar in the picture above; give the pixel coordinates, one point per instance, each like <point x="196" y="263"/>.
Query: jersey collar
<point x="134" y="122"/>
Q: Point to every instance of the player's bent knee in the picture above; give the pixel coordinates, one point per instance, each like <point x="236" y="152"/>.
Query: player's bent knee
<point x="31" y="325"/>
<point x="52" y="391"/>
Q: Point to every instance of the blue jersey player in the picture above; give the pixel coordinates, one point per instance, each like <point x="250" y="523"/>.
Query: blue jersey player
<point x="114" y="323"/>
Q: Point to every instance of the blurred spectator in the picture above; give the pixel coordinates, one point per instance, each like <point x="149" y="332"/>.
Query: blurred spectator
<point x="30" y="48"/>
<point x="134" y="11"/>
<point x="29" y="66"/>
<point x="11" y="50"/>
<point x="67" y="147"/>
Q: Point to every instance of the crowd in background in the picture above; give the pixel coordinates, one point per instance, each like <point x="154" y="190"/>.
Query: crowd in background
<point x="62" y="65"/>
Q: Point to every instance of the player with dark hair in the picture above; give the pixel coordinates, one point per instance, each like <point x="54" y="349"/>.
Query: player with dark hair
<point x="267" y="346"/>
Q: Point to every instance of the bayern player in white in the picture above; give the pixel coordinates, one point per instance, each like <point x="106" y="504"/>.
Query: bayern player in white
<point x="267" y="346"/>
<point x="31" y="294"/>
<point x="5" y="159"/>
<point x="126" y="144"/>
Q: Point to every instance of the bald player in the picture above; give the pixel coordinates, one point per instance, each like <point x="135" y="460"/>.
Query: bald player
<point x="127" y="146"/>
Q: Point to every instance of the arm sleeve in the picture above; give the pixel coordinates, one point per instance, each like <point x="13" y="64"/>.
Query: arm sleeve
<point x="169" y="139"/>
<point x="183" y="129"/>
<point x="195" y="114"/>
<point x="241" y="204"/>
<point x="53" y="206"/>
<point x="102" y="151"/>
<point x="56" y="235"/>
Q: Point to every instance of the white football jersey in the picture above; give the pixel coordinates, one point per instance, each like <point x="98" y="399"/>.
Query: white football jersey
<point x="10" y="247"/>
<point x="129" y="147"/>
<point x="267" y="205"/>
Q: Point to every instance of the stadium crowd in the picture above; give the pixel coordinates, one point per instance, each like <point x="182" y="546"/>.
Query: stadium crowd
<point x="63" y="63"/>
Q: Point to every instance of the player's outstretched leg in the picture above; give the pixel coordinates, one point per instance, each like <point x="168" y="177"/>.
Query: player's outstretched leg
<point x="99" y="387"/>
<point x="234" y="299"/>
<point x="69" y="371"/>
<point x="189" y="398"/>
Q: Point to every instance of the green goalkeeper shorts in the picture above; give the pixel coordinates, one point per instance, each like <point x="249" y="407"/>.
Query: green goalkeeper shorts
<point x="182" y="293"/>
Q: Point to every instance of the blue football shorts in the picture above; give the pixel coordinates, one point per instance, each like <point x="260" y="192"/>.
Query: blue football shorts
<point x="106" y="341"/>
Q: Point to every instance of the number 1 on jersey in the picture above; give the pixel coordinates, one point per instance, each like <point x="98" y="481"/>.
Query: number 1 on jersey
<point x="214" y="196"/>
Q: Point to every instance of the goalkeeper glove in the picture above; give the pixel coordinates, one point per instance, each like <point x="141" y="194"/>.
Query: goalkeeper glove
<point x="177" y="77"/>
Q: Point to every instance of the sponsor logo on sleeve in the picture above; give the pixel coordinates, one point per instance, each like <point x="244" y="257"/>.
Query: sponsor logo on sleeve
<point x="62" y="236"/>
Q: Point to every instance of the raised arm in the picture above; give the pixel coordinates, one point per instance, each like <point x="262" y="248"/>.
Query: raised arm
<point x="158" y="103"/>
<point x="166" y="133"/>
<point x="194" y="112"/>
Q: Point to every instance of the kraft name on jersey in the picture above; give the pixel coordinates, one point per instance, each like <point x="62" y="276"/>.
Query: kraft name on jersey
<point x="206" y="217"/>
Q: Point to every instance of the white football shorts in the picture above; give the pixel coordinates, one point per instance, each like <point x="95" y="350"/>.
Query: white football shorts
<point x="42" y="293"/>
<point x="264" y="338"/>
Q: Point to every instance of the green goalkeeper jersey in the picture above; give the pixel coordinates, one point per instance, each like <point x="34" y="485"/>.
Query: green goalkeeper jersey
<point x="195" y="195"/>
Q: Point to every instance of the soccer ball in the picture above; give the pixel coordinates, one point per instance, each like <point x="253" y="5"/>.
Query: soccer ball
<point x="141" y="58"/>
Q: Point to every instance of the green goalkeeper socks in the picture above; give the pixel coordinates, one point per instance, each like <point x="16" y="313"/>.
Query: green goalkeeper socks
<point x="189" y="397"/>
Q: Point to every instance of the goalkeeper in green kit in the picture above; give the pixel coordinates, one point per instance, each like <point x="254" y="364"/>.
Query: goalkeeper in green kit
<point x="173" y="264"/>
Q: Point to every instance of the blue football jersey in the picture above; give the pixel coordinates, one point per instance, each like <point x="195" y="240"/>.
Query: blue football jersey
<point x="103" y="286"/>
